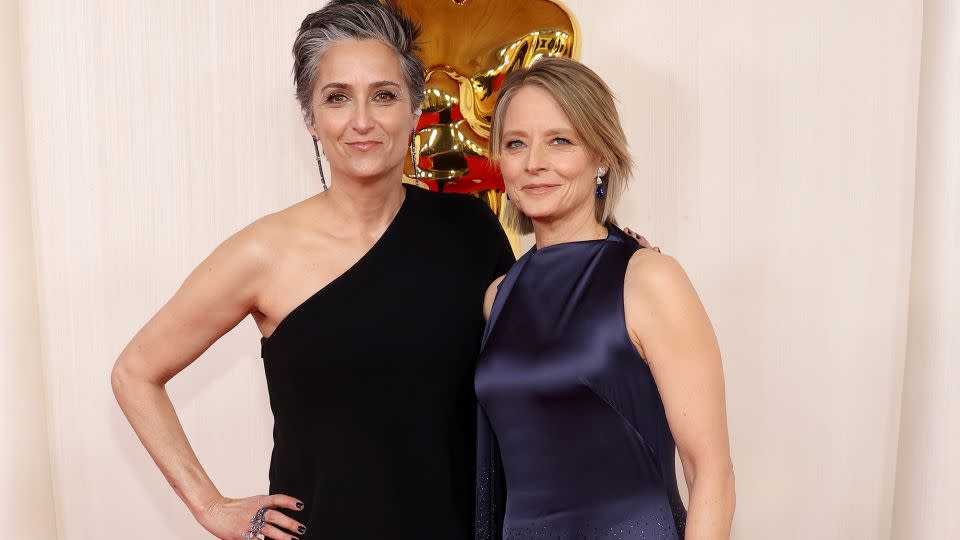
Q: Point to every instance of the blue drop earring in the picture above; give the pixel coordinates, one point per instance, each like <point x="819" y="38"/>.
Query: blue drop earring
<point x="600" y="191"/>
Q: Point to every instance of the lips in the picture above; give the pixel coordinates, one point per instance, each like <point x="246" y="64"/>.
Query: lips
<point x="539" y="189"/>
<point x="362" y="146"/>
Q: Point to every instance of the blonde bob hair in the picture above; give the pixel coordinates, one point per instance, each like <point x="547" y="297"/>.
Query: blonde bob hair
<point x="591" y="108"/>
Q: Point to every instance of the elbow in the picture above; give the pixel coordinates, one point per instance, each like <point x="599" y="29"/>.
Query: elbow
<point x="731" y="489"/>
<point x="726" y="490"/>
<point x="119" y="378"/>
<point x="125" y="378"/>
<point x="719" y="481"/>
<point x="132" y="377"/>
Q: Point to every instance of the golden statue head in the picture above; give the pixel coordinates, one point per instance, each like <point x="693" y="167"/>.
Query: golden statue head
<point x="468" y="48"/>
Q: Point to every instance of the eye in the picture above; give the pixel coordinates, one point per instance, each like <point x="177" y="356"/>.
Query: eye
<point x="513" y="144"/>
<point x="385" y="96"/>
<point x="337" y="98"/>
<point x="560" y="141"/>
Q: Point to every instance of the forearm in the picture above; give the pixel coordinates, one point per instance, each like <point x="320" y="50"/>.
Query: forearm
<point x="712" y="502"/>
<point x="149" y="410"/>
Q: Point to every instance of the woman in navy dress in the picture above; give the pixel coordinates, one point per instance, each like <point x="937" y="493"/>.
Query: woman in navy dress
<point x="599" y="361"/>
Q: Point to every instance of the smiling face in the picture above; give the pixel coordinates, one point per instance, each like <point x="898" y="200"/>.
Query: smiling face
<point x="548" y="171"/>
<point x="362" y="111"/>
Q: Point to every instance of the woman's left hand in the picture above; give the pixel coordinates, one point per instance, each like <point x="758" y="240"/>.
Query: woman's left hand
<point x="231" y="519"/>
<point x="641" y="240"/>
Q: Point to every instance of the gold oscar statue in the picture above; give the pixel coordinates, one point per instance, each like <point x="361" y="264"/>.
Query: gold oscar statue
<point x="468" y="48"/>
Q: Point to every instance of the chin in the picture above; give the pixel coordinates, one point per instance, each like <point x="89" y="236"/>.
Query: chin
<point x="372" y="171"/>
<point x="370" y="176"/>
<point x="540" y="214"/>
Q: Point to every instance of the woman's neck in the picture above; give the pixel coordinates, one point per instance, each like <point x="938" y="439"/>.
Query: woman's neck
<point x="365" y="205"/>
<point x="574" y="228"/>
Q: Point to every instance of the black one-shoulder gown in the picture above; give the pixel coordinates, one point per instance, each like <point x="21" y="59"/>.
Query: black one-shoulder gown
<point x="371" y="379"/>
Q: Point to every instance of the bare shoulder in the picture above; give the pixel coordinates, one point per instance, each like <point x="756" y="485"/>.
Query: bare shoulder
<point x="268" y="235"/>
<point x="490" y="295"/>
<point x="250" y="252"/>
<point x="655" y="285"/>
<point x="659" y="299"/>
<point x="653" y="273"/>
<point x="253" y="246"/>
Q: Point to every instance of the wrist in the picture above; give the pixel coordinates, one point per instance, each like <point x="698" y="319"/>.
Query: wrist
<point x="199" y="501"/>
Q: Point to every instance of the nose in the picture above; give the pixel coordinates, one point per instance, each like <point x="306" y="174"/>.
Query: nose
<point x="362" y="120"/>
<point x="536" y="161"/>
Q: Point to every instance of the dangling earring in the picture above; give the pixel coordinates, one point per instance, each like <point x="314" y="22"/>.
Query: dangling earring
<point x="600" y="191"/>
<point x="413" y="154"/>
<point x="316" y="147"/>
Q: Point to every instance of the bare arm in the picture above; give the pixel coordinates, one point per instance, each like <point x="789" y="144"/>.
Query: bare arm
<point x="213" y="299"/>
<point x="673" y="333"/>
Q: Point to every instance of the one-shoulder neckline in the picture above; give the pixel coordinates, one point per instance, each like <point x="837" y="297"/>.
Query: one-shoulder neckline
<point x="387" y="233"/>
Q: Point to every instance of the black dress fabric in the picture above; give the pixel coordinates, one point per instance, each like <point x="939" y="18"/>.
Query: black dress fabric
<point x="371" y="379"/>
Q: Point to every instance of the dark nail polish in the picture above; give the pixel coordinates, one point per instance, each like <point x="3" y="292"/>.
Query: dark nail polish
<point x="301" y="529"/>
<point x="299" y="506"/>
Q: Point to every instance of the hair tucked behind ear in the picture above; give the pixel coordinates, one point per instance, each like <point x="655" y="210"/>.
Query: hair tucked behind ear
<point x="592" y="110"/>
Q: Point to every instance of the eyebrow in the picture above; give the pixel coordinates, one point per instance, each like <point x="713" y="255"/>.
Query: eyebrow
<point x="344" y="86"/>
<point x="549" y="132"/>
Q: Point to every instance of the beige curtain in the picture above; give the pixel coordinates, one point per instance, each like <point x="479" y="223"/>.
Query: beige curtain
<point x="928" y="475"/>
<point x="154" y="130"/>
<point x="778" y="157"/>
<point x="26" y="496"/>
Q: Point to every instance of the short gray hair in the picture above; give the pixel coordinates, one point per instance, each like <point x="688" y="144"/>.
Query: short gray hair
<point x="342" y="20"/>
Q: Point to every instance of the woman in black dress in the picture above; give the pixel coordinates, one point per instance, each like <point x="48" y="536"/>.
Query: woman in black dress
<point x="369" y="298"/>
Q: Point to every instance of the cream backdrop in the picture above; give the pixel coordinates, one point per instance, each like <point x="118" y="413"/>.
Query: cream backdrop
<point x="777" y="147"/>
<point x="26" y="494"/>
<point x="928" y="474"/>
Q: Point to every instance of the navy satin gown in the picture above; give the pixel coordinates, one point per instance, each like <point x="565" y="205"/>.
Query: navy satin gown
<point x="573" y="442"/>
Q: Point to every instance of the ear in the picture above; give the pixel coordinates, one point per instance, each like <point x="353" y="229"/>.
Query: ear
<point x="600" y="164"/>
<point x="415" y="118"/>
<point x="312" y="130"/>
